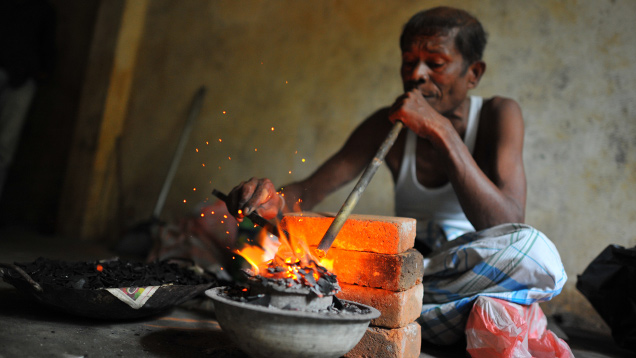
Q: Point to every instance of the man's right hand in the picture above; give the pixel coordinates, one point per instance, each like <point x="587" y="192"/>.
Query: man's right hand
<point x="255" y="195"/>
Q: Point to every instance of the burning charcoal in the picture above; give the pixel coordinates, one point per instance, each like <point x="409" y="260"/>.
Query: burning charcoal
<point x="310" y="280"/>
<point x="321" y="270"/>
<point x="316" y="291"/>
<point x="354" y="309"/>
<point x="337" y="304"/>
<point x="327" y="286"/>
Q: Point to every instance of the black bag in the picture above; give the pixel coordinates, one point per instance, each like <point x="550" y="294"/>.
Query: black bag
<point x="609" y="283"/>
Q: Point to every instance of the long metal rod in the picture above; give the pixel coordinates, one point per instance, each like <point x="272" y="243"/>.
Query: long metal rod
<point x="195" y="108"/>
<point x="357" y="191"/>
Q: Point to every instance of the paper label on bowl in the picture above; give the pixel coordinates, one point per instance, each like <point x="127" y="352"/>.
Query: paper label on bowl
<point x="134" y="297"/>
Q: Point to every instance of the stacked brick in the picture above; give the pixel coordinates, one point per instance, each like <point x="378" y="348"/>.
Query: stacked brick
<point x="376" y="265"/>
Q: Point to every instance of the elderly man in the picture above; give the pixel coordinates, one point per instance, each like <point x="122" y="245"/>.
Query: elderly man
<point x="457" y="168"/>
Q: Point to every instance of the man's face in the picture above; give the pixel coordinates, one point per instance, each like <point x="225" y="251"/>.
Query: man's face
<point x="433" y="65"/>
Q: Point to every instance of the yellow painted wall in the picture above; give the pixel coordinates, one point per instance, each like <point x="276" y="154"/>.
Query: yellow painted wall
<point x="313" y="70"/>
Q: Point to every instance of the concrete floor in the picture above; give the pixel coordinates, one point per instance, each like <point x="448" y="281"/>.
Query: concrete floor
<point x="27" y="329"/>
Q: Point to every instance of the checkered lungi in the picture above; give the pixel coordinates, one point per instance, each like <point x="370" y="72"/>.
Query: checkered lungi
<point x="513" y="262"/>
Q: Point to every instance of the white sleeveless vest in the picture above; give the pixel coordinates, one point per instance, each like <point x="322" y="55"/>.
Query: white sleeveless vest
<point x="438" y="206"/>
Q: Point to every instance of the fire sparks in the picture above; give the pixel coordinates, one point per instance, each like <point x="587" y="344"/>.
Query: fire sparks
<point x="297" y="206"/>
<point x="99" y="268"/>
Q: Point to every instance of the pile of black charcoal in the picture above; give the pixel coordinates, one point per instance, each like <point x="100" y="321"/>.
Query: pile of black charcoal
<point x="113" y="274"/>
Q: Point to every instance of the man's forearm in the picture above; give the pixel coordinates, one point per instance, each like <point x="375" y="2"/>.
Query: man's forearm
<point x="484" y="203"/>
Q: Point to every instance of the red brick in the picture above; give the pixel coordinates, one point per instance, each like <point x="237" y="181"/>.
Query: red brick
<point x="398" y="308"/>
<point x="397" y="272"/>
<point x="404" y="342"/>
<point x="381" y="234"/>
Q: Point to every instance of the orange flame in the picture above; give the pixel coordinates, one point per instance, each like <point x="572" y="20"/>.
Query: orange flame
<point x="291" y="253"/>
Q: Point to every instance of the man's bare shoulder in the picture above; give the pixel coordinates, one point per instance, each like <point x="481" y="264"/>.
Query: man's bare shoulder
<point x="500" y="126"/>
<point x="496" y="109"/>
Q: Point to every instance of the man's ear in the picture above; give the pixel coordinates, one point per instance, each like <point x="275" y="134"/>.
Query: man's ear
<point x="475" y="71"/>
